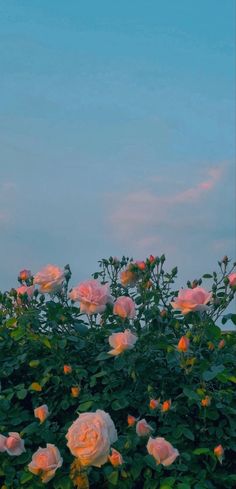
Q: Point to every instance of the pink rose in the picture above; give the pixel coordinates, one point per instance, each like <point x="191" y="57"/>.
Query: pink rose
<point x="14" y="444"/>
<point x="232" y="279"/>
<point x="163" y="452"/>
<point x="25" y="274"/>
<point x="90" y="437"/>
<point x="49" y="279"/>
<point x="115" y="458"/>
<point x="121" y="342"/>
<point x="143" y="428"/>
<point x="45" y="462"/>
<point x="92" y="296"/>
<point x="124" y="307"/>
<point x="189" y="300"/>
<point x="24" y="290"/>
<point x="41" y="412"/>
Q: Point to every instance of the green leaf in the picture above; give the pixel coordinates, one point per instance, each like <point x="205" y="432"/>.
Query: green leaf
<point x="190" y="394"/>
<point x="212" y="332"/>
<point x="211" y="374"/>
<point x="22" y="394"/>
<point x="113" y="477"/>
<point x="188" y="433"/>
<point x="25" y="477"/>
<point x="201" y="451"/>
<point x="103" y="356"/>
<point x="84" y="406"/>
<point x="207" y="275"/>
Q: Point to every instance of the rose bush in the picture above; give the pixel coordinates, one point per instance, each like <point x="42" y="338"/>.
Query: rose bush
<point x="157" y="411"/>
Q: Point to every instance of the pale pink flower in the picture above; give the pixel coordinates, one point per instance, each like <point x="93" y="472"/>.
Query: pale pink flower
<point x="143" y="428"/>
<point x="24" y="290"/>
<point x="92" y="295"/>
<point x="190" y="300"/>
<point x="41" y="412"/>
<point x="163" y="452"/>
<point x="14" y="444"/>
<point x="90" y="438"/>
<point x="115" y="458"/>
<point x="45" y="462"/>
<point x="232" y="279"/>
<point x="124" y="307"/>
<point x="49" y="279"/>
<point x="121" y="342"/>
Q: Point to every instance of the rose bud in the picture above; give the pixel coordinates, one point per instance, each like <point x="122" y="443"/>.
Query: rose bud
<point x="67" y="369"/>
<point x="41" y="412"/>
<point x="183" y="344"/>
<point x="143" y="428"/>
<point x="219" y="452"/>
<point x="154" y="403"/>
<point x="131" y="420"/>
<point x="115" y="458"/>
<point x="166" y="406"/>
<point x="75" y="391"/>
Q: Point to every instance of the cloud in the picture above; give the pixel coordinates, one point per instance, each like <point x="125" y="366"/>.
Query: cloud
<point x="146" y="218"/>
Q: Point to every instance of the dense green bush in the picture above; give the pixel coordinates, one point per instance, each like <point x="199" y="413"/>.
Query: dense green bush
<point x="48" y="346"/>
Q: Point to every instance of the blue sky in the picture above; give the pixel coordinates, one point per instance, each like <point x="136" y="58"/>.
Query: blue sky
<point x="117" y="133"/>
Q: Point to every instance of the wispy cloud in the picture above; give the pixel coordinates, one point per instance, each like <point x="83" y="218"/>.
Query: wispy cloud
<point x="141" y="218"/>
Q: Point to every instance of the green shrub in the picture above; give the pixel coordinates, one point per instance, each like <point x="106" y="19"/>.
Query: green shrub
<point x="42" y="334"/>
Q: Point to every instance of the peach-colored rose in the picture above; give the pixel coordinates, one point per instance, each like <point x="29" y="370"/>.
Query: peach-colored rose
<point x="3" y="443"/>
<point x="41" y="412"/>
<point x="90" y="437"/>
<point x="183" y="344"/>
<point x="131" y="420"/>
<point x="14" y="444"/>
<point x="128" y="278"/>
<point x="92" y="295"/>
<point x="232" y="279"/>
<point x="121" y="342"/>
<point x="143" y="428"/>
<point x="25" y="274"/>
<point x="24" y="290"/>
<point x="163" y="452"/>
<point x="45" y="462"/>
<point x="190" y="300"/>
<point x="115" y="458"/>
<point x="124" y="307"/>
<point x="49" y="279"/>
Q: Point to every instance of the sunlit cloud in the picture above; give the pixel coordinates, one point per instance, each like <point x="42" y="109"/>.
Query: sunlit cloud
<point x="143" y="217"/>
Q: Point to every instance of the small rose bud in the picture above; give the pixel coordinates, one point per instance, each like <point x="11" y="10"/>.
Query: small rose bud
<point x="141" y="265"/>
<point x="25" y="274"/>
<point x="221" y="344"/>
<point x="166" y="406"/>
<point x="152" y="258"/>
<point x="219" y="452"/>
<point x="131" y="420"/>
<point x="75" y="391"/>
<point x="143" y="428"/>
<point x="41" y="412"/>
<point x="115" y="458"/>
<point x="211" y="345"/>
<point x="67" y="369"/>
<point x="183" y="344"/>
<point x="154" y="403"/>
<point x="206" y="401"/>
<point x="36" y="387"/>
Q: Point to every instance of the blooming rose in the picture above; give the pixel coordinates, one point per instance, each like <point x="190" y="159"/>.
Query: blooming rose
<point x="90" y="437"/>
<point x="189" y="300"/>
<point x="25" y="274"/>
<point x="163" y="452"/>
<point x="92" y="296"/>
<point x="115" y="458"/>
<point x="41" y="412"/>
<point x="121" y="342"/>
<point x="128" y="277"/>
<point x="14" y="445"/>
<point x="45" y="462"/>
<point x="232" y="279"/>
<point x="143" y="428"/>
<point x="24" y="290"/>
<point x="124" y="307"/>
<point x="183" y="344"/>
<point x="49" y="279"/>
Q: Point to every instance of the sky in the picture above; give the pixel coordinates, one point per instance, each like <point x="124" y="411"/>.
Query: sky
<point x="117" y="129"/>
